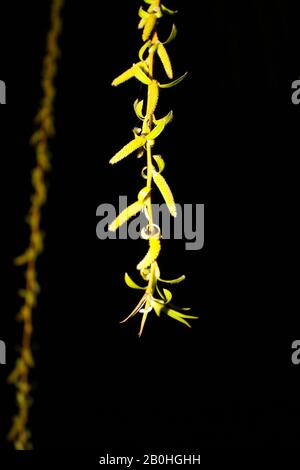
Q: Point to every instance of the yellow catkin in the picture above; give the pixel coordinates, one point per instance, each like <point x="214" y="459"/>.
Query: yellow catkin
<point x="152" y="254"/>
<point x="19" y="433"/>
<point x="126" y="214"/>
<point x="153" y="95"/>
<point x="129" y="148"/>
<point x="165" y="60"/>
<point x="130" y="73"/>
<point x="165" y="192"/>
<point x="149" y="26"/>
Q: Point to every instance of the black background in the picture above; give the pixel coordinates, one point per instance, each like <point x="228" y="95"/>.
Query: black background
<point x="233" y="145"/>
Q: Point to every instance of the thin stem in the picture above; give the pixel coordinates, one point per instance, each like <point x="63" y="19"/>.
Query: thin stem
<point x="149" y="181"/>
<point x="149" y="123"/>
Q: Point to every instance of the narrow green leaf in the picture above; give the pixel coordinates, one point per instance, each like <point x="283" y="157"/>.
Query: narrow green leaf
<point x="181" y="320"/>
<point x="179" y="316"/>
<point x="174" y="82"/>
<point x="138" y="107"/>
<point x="130" y="283"/>
<point x="142" y="77"/>
<point x="180" y="309"/>
<point x="160" y="162"/>
<point x="168" y="11"/>
<point x="168" y="295"/>
<point x="156" y="131"/>
<point x="161" y="294"/>
<point x="159" y="13"/>
<point x="165" y="294"/>
<point x="167" y="119"/>
<point x="172" y="35"/>
<point x="160" y="125"/>
<point x="160" y="301"/>
<point x="136" y="309"/>
<point x="157" y="306"/>
<point x="143" y="49"/>
<point x="191" y="317"/>
<point x="173" y="281"/>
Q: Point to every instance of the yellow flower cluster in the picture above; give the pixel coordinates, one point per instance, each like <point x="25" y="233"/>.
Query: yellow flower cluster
<point x="19" y="433"/>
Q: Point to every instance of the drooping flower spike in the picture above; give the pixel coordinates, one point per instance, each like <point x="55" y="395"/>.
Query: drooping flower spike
<point x="155" y="298"/>
<point x="20" y="434"/>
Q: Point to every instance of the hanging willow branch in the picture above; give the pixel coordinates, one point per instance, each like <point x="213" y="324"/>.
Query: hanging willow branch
<point x="19" y="433"/>
<point x="154" y="299"/>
